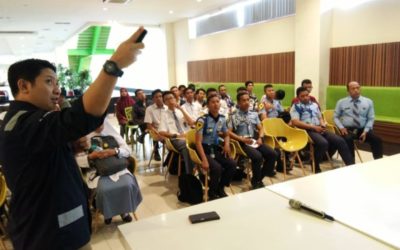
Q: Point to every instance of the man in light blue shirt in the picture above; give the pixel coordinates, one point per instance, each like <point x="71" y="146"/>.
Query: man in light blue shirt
<point x="306" y="115"/>
<point x="269" y="107"/>
<point x="354" y="116"/>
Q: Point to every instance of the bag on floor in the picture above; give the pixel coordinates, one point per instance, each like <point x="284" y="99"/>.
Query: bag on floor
<point x="190" y="189"/>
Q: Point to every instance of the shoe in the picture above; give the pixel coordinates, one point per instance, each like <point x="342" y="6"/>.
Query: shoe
<point x="257" y="185"/>
<point x="126" y="217"/>
<point x="317" y="170"/>
<point x="107" y="221"/>
<point x="212" y="195"/>
<point x="270" y="174"/>
<point x="221" y="192"/>
<point x="157" y="157"/>
<point x="141" y="138"/>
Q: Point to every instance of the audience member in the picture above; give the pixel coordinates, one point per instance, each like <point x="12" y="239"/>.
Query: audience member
<point x="190" y="106"/>
<point x="242" y="127"/>
<point x="253" y="98"/>
<point x="354" y="116"/>
<point x="124" y="101"/>
<point x="270" y="107"/>
<point x="213" y="157"/>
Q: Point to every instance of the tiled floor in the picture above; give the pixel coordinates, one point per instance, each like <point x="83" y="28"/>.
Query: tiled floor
<point x="159" y="194"/>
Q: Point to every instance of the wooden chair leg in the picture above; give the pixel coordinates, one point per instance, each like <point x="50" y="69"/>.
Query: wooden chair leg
<point x="206" y="187"/>
<point x="231" y="188"/>
<point x="330" y="160"/>
<point x="358" y="152"/>
<point x="300" y="162"/>
<point x="96" y="220"/>
<point x="135" y="216"/>
<point x="312" y="156"/>
<point x="284" y="164"/>
<point x="169" y="164"/>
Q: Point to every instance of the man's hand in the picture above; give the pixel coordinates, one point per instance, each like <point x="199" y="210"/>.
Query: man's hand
<point x="318" y="129"/>
<point x="259" y="141"/>
<point x="204" y="165"/>
<point x="227" y="150"/>
<point x="247" y="141"/>
<point x="363" y="136"/>
<point x="344" y="131"/>
<point x="127" y="51"/>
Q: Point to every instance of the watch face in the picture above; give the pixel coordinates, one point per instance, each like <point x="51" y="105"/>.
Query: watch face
<point x="109" y="67"/>
<point x="112" y="69"/>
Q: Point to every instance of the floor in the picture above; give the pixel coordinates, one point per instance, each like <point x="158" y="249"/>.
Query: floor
<point x="159" y="193"/>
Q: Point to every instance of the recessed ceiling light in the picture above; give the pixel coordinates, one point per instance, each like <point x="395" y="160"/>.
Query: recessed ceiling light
<point x="105" y="9"/>
<point x="199" y="1"/>
<point x="171" y="12"/>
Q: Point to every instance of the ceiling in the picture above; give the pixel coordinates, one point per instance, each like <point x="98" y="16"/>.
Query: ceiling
<point x="39" y="26"/>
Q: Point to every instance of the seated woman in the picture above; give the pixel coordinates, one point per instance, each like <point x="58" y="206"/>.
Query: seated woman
<point x="118" y="193"/>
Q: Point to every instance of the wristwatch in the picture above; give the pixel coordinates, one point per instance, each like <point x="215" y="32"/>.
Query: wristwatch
<point x="111" y="68"/>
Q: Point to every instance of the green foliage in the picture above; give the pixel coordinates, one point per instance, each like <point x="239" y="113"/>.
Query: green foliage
<point x="73" y="80"/>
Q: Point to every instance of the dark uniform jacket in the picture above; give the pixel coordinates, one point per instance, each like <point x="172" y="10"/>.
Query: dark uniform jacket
<point x="48" y="207"/>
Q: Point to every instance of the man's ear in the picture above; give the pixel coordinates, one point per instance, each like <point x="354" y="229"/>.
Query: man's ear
<point x="23" y="86"/>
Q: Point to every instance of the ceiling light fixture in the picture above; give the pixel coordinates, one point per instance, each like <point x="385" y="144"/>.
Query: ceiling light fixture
<point x="171" y="12"/>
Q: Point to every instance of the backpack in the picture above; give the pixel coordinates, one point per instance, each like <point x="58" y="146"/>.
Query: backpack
<point x="190" y="189"/>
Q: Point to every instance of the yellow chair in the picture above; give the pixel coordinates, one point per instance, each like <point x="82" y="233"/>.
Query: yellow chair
<point x="155" y="137"/>
<point x="174" y="152"/>
<point x="133" y="137"/>
<point x="3" y="196"/>
<point x="328" y="116"/>
<point x="132" y="168"/>
<point x="240" y="152"/>
<point x="296" y="139"/>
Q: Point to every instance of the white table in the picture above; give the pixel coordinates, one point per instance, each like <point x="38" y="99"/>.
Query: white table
<point x="258" y="219"/>
<point x="365" y="197"/>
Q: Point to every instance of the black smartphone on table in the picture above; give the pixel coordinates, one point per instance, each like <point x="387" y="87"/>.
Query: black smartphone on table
<point x="203" y="217"/>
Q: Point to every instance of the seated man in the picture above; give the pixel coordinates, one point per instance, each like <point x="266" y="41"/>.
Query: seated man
<point x="270" y="107"/>
<point x="190" y="106"/>
<point x="214" y="157"/>
<point x="253" y="98"/>
<point x="152" y="118"/>
<point x="354" y="116"/>
<point x="139" y="111"/>
<point x="242" y="126"/>
<point x="306" y="115"/>
<point x="306" y="83"/>
<point x="174" y="123"/>
<point x="225" y="96"/>
<point x="118" y="193"/>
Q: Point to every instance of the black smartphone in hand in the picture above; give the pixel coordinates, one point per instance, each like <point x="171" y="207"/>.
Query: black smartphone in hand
<point x="141" y="36"/>
<point x="203" y="217"/>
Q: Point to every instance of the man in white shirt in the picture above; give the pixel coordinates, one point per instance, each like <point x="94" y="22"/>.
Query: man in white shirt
<point x="174" y="123"/>
<point x="190" y="106"/>
<point x="152" y="118"/>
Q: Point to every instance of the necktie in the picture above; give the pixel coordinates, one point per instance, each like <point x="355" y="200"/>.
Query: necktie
<point x="356" y="114"/>
<point x="178" y="125"/>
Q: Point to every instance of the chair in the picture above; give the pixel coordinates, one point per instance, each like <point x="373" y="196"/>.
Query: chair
<point x="3" y="196"/>
<point x="155" y="137"/>
<point x="135" y="128"/>
<point x="240" y="152"/>
<point x="328" y="116"/>
<point x="296" y="139"/>
<point x="132" y="168"/>
<point x="173" y="152"/>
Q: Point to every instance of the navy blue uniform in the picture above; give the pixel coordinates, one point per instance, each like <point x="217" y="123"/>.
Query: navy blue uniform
<point x="48" y="207"/>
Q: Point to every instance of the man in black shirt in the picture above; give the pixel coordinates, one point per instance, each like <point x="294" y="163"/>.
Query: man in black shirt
<point x="49" y="207"/>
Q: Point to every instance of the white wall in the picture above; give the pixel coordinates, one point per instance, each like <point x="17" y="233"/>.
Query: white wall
<point x="372" y="22"/>
<point x="264" y="38"/>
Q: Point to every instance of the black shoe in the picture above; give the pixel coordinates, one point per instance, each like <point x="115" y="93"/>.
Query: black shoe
<point x="126" y="217"/>
<point x="221" y="192"/>
<point x="317" y="170"/>
<point x="212" y="196"/>
<point x="141" y="138"/>
<point x="270" y="174"/>
<point x="257" y="185"/>
<point x="157" y="157"/>
<point x="107" y="221"/>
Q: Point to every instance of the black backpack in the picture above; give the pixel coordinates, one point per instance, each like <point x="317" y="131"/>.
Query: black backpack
<point x="190" y="189"/>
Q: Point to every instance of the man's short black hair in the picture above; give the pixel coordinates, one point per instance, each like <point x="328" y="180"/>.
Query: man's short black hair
<point x="28" y="70"/>
<point x="300" y="89"/>
<point x="305" y="81"/>
<point x="181" y="87"/>
<point x="347" y="85"/>
<point x="240" y="89"/>
<point x="266" y="86"/>
<point x="200" y="89"/>
<point x="280" y="94"/>
<point x="248" y="82"/>
<point x="220" y="86"/>
<point x="155" y="92"/>
<point x="137" y="91"/>
<point x="173" y="87"/>
<point x="165" y="93"/>
<point x="211" y="97"/>
<point x="192" y="87"/>
<point x="210" y="90"/>
<point x="239" y="95"/>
